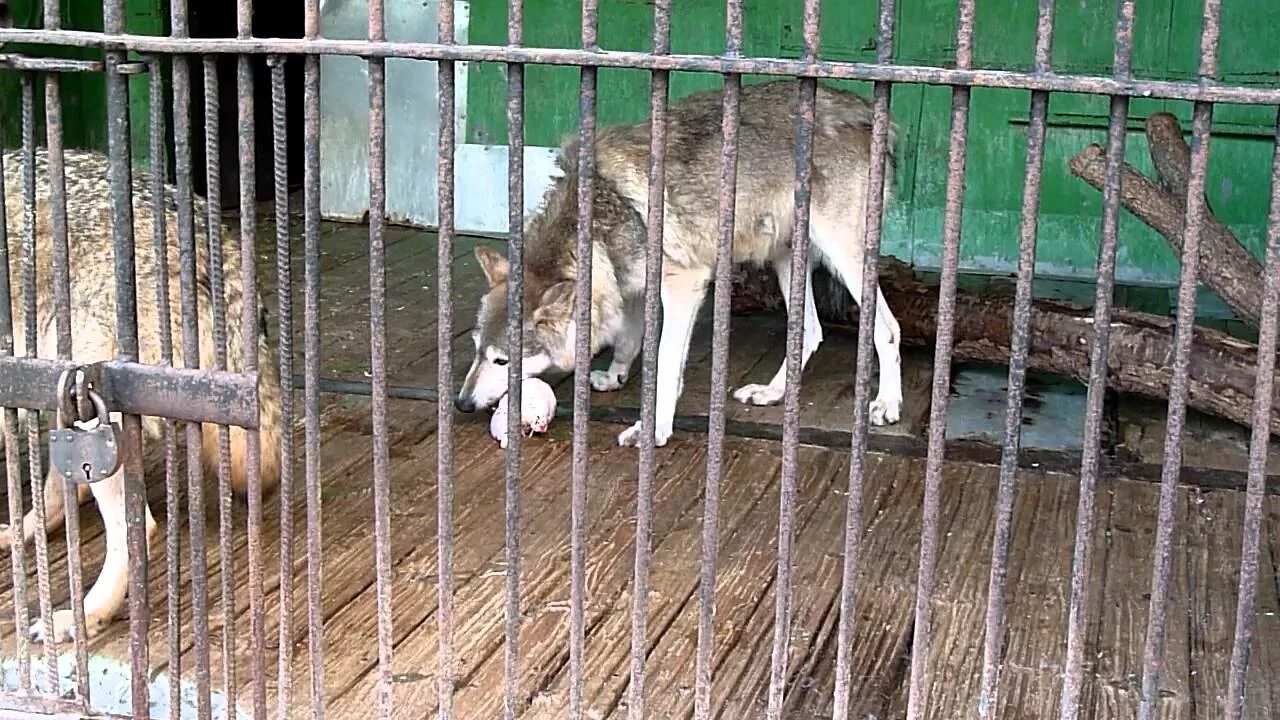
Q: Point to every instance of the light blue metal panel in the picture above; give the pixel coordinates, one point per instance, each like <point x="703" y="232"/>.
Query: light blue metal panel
<point x="412" y="115"/>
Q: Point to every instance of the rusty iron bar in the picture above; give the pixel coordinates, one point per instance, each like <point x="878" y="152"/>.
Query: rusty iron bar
<point x="311" y="350"/>
<point x="878" y="174"/>
<point x="62" y="322"/>
<point x="377" y="170"/>
<point x="1193" y="224"/>
<point x="912" y="74"/>
<point x="36" y="477"/>
<point x="646" y="462"/>
<point x="515" y="352"/>
<point x="1082" y="553"/>
<point x="515" y="365"/>
<point x="446" y="89"/>
<point x="581" y="366"/>
<point x="952" y="230"/>
<point x="249" y="328"/>
<point x="186" y="229"/>
<point x="132" y="387"/>
<point x="1020" y="345"/>
<point x="214" y="239"/>
<point x="730" y="115"/>
<point x="121" y="177"/>
<point x="284" y="309"/>
<point x="173" y="545"/>
<point x="13" y="472"/>
<point x="799" y="279"/>
<point x="1259" y="444"/>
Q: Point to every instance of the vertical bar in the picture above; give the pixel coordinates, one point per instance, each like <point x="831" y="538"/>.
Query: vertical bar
<point x="444" y="373"/>
<point x="1247" y="597"/>
<point x="703" y="668"/>
<point x="214" y="238"/>
<point x="62" y="322"/>
<point x="284" y="308"/>
<point x="1082" y="558"/>
<point x="37" y="477"/>
<point x="878" y="174"/>
<point x="515" y="353"/>
<point x="951" y="232"/>
<point x="648" y="399"/>
<point x="311" y="349"/>
<point x="249" y="324"/>
<point x="127" y="347"/>
<point x="1170" y="471"/>
<point x="13" y="471"/>
<point x="378" y="351"/>
<point x="581" y="398"/>
<point x="791" y="394"/>
<point x="173" y="568"/>
<point x="187" y="259"/>
<point x="1019" y="347"/>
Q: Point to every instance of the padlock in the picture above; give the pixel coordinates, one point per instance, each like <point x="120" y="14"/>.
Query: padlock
<point x="86" y="456"/>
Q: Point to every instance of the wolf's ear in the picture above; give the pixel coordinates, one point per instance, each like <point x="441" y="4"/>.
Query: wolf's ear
<point x="492" y="264"/>
<point x="556" y="301"/>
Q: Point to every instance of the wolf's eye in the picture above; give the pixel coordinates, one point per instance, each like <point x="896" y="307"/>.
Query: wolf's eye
<point x="499" y="361"/>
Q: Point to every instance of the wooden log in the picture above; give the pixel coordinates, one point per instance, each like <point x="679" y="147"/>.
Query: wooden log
<point x="1225" y="265"/>
<point x="1140" y="357"/>
<point x="1170" y="154"/>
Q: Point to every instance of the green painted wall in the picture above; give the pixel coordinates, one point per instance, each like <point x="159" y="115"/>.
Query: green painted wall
<point x="83" y="94"/>
<point x="1167" y="46"/>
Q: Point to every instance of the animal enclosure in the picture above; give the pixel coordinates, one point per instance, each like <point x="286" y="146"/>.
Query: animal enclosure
<point x="333" y="538"/>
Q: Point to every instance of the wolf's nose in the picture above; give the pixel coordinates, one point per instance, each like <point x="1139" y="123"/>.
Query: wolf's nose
<point x="464" y="404"/>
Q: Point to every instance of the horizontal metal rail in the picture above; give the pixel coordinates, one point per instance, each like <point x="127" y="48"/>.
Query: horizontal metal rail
<point x="1204" y="90"/>
<point x="225" y="398"/>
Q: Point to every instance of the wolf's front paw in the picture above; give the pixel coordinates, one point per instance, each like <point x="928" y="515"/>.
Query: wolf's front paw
<point x="605" y="381"/>
<point x="757" y="395"/>
<point x="884" y="412"/>
<point x="64" y="627"/>
<point x="631" y="436"/>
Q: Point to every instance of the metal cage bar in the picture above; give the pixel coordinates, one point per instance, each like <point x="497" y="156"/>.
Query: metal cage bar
<point x="1082" y="554"/>
<point x="1020" y="345"/>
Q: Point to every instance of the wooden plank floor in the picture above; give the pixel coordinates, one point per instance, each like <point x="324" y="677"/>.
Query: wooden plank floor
<point x="1206" y="553"/>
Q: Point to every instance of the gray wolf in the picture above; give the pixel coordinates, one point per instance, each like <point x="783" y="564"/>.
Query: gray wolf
<point x="93" y="331"/>
<point x="765" y="212"/>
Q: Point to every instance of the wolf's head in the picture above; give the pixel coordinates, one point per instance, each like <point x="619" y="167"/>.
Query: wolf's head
<point x="548" y="334"/>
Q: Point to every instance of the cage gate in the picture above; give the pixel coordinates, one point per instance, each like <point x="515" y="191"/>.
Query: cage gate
<point x="173" y="330"/>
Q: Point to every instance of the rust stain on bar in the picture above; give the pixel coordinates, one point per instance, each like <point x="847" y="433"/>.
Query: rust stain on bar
<point x="915" y="74"/>
<point x="1082" y="554"/>
<point x="1259" y="445"/>
<point x="876" y="179"/>
<point x="994" y="635"/>
<point x="444" y="373"/>
<point x="952" y="226"/>
<point x="703" y="670"/>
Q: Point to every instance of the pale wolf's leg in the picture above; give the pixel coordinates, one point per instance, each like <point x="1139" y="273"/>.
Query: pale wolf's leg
<point x="842" y="248"/>
<point x="772" y="393"/>
<point x="682" y="295"/>
<point x="105" y="598"/>
<point x="54" y="508"/>
<point x="624" y="351"/>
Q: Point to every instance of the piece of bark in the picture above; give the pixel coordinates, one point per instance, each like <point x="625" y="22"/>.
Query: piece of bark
<point x="1170" y="154"/>
<point x="1225" y="265"/>
<point x="1140" y="351"/>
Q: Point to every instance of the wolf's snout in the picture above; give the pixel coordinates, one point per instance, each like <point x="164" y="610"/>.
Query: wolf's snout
<point x="464" y="404"/>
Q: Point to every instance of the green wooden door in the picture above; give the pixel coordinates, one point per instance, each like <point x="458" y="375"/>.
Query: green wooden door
<point x="1166" y="46"/>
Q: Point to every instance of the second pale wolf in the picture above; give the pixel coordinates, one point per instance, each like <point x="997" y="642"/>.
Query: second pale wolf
<point x="93" y="335"/>
<point x="764" y="216"/>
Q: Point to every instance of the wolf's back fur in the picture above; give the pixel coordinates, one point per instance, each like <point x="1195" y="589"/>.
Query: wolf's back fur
<point x="93" y="293"/>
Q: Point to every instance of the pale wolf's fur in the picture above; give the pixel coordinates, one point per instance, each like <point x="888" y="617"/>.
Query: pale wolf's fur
<point x="93" y="334"/>
<point x="763" y="225"/>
